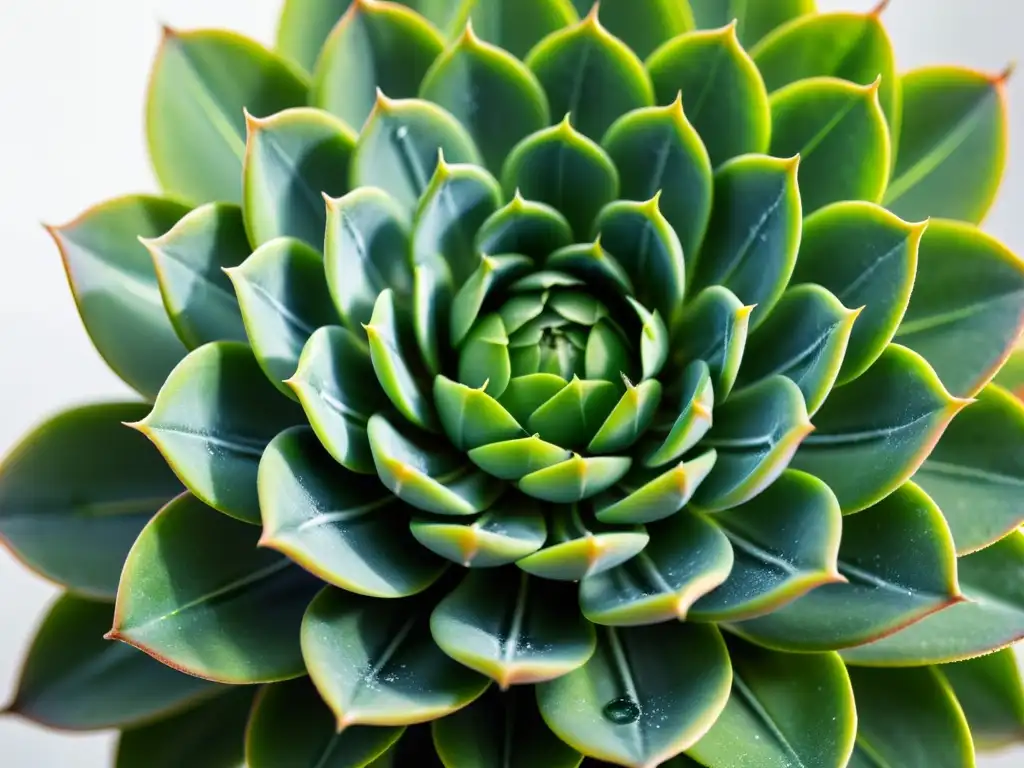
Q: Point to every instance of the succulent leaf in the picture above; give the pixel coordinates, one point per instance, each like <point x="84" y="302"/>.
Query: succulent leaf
<point x="695" y="397"/>
<point x="990" y="693"/>
<point x="526" y="227"/>
<point x="753" y="20"/>
<point x="645" y="26"/>
<point x="645" y="495"/>
<point x="712" y="329"/>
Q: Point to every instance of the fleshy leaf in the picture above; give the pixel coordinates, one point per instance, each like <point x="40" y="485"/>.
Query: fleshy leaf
<point x="491" y="92"/>
<point x="401" y="144"/>
<point x="198" y="595"/>
<point x="754" y="20"/>
<point x="646" y="694"/>
<point x="190" y="260"/>
<point x="677" y="171"/>
<point x="952" y="144"/>
<point x="375" y="46"/>
<point x="195" y="116"/>
<point x="501" y="729"/>
<point x="688" y="557"/>
<point x="646" y="496"/>
<point x="561" y="167"/>
<point x="290" y="724"/>
<point x="115" y="287"/>
<point x="889" y="585"/>
<point x="428" y="476"/>
<point x="785" y="542"/>
<point x="839" y="131"/>
<point x="524" y="226"/>
<point x="696" y="397"/>
<point x="629" y="419"/>
<point x="592" y="264"/>
<point x="990" y="692"/>
<point x="873" y="433"/>
<point x="590" y="74"/>
<point x="866" y="257"/>
<point x="292" y="160"/>
<point x="416" y="747"/>
<point x="77" y="490"/>
<point x="284" y="299"/>
<point x="573" y="416"/>
<point x="722" y="91"/>
<point x="472" y="418"/>
<point x="575" y="479"/>
<point x="73" y="679"/>
<point x="484" y="359"/>
<point x="756" y="432"/>
<point x="607" y="353"/>
<point x="512" y="627"/>
<point x="433" y="291"/>
<point x="492" y="274"/>
<point x="525" y="394"/>
<point x="212" y="420"/>
<point x="343" y="528"/>
<point x="967" y="309"/>
<point x="375" y="663"/>
<point x="804" y="338"/>
<point x="518" y="25"/>
<point x="785" y="710"/>
<point x="932" y="730"/>
<point x="645" y="26"/>
<point x="304" y="26"/>
<point x="754" y="234"/>
<point x="713" y="328"/>
<point x="975" y="472"/>
<point x="514" y="459"/>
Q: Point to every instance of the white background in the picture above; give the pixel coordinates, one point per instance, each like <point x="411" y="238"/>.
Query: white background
<point x="72" y="81"/>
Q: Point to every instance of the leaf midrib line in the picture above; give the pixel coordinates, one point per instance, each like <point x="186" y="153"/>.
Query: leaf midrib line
<point x="220" y="121"/>
<point x="296" y="322"/>
<point x="948" y="469"/>
<point x="865" y="436"/>
<point x="760" y="713"/>
<point x="959" y="314"/>
<point x="753" y="237"/>
<point x="312" y="197"/>
<point x="253" y="447"/>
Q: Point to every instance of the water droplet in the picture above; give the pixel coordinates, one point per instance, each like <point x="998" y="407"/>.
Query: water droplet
<point x="402" y="132"/>
<point x="622" y="710"/>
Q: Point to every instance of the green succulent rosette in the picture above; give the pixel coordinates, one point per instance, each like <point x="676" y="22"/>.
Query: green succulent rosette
<point x="524" y="384"/>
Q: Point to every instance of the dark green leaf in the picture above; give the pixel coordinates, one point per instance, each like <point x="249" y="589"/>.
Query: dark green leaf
<point x="433" y="291"/>
<point x="594" y="266"/>
<point x="590" y="74"/>
<point x="77" y="490"/>
<point x="890" y="584"/>
<point x="695" y="398"/>
<point x="518" y="25"/>
<point x="1011" y="375"/>
<point x="967" y="309"/>
<point x="513" y="628"/>
<point x="866" y="257"/>
<point x="952" y="144"/>
<point x="514" y="459"/>
<point x="472" y="418"/>
<point x="721" y="90"/>
<point x="607" y="354"/>
<point x="115" y="286"/>
<point x="484" y="359"/>
<point x="646" y="694"/>
<point x="304" y="26"/>
<point x="524" y="226"/>
<point x="654" y="340"/>
<point x="212" y="420"/>
<point x="374" y="47"/>
<point x="292" y="161"/>
<point x="645" y="26"/>
<point x="712" y="329"/>
<point x="291" y="725"/>
<point x="575" y="479"/>
<point x="195" y="113"/>
<point x="990" y="692"/>
<point x="873" y="433"/>
<point x="629" y="419"/>
<point x="645" y="496"/>
<point x="755" y="20"/>
<point x="416" y="747"/>
<point x="493" y="273"/>
<point x="375" y="662"/>
<point x="839" y="131"/>
<point x="573" y="416"/>
<point x="74" y="679"/>
<point x="198" y="595"/>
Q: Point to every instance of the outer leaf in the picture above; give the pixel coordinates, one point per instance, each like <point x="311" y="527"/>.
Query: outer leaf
<point x="212" y="420"/>
<point x="429" y="478"/>
<point x="74" y="679"/>
<point x="401" y="145"/>
<point x="488" y="89"/>
<point x="339" y="526"/>
<point x="501" y="729"/>
<point x="754" y="20"/>
<point x="990" y="692"/>
<point x="805" y="339"/>
<point x="517" y="25"/>
<point x="868" y="258"/>
<point x="375" y="663"/>
<point x="195" y="118"/>
<point x="524" y="226"/>
<point x="375" y="46"/>
<point x="646" y="496"/>
<point x="688" y="557"/>
<point x="696" y="397"/>
<point x="722" y="90"/>
<point x="785" y="542"/>
<point x="678" y="173"/>
<point x="494" y="623"/>
<point x="210" y="735"/>
<point x="873" y="434"/>
<point x="76" y="492"/>
<point x="115" y="286"/>
<point x="975" y="472"/>
<point x="840" y="133"/>
<point x="645" y="26"/>
<point x="784" y="710"/>
<point x="952" y="148"/>
<point x="990" y="619"/>
<point x="292" y="160"/>
<point x="304" y="26"/>
<point x="199" y="596"/>
<point x="754" y="233"/>
<point x="647" y="693"/>
<point x="290" y="724"/>
<point x="932" y="729"/>
<point x="1011" y="375"/>
<point x="284" y="300"/>
<point x="755" y="433"/>
<point x="590" y="74"/>
<point x="889" y="585"/>
<point x="561" y="167"/>
<point x="967" y="309"/>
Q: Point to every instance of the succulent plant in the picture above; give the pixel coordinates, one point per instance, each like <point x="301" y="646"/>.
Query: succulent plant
<point x="531" y="383"/>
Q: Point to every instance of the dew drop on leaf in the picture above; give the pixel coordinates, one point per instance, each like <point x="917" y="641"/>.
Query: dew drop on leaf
<point x="622" y="710"/>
